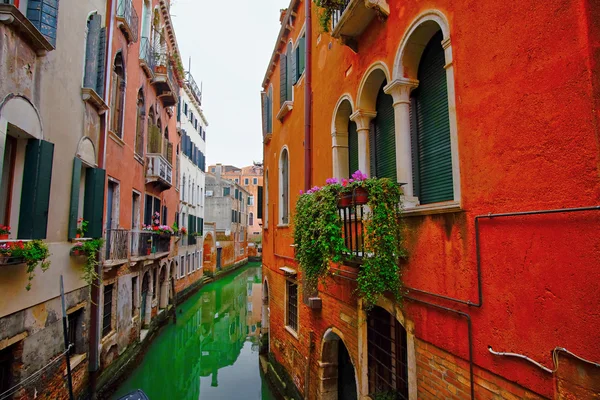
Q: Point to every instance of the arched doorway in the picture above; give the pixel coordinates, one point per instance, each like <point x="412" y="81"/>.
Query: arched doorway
<point x="338" y="377"/>
<point x="145" y="311"/>
<point x="387" y="354"/>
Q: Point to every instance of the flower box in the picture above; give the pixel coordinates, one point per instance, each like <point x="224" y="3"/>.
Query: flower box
<point x="361" y="196"/>
<point x="8" y="260"/>
<point x="77" y="252"/>
<point x="344" y="199"/>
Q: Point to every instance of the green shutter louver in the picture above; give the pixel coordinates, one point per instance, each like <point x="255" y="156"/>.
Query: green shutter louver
<point x="74" y="207"/>
<point x="270" y="111"/>
<point x="259" y="206"/>
<point x="283" y="93"/>
<point x="265" y="111"/>
<point x="301" y="56"/>
<point x="433" y="127"/>
<point x="93" y="203"/>
<point x="35" y="194"/>
<point x="352" y="148"/>
<point x="90" y="79"/>
<point x="295" y="65"/>
<point x="289" y="73"/>
<point x="43" y="14"/>
<point x="199" y="225"/>
<point x="385" y="140"/>
<point x="101" y="63"/>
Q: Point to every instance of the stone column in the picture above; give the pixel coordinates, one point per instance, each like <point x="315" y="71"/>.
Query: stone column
<point x="148" y="313"/>
<point x="400" y="90"/>
<point x="340" y="154"/>
<point x="164" y="294"/>
<point x="363" y="120"/>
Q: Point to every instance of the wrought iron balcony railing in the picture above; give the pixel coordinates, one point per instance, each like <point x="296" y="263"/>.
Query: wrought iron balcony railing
<point x="165" y="81"/>
<point x="337" y="15"/>
<point x="353" y="231"/>
<point x="189" y="80"/>
<point x="147" y="57"/>
<point x="128" y="19"/>
<point x="352" y="18"/>
<point x="146" y="243"/>
<point x="117" y="243"/>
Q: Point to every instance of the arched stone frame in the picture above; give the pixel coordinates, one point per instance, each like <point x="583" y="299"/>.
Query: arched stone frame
<point x="392" y="308"/>
<point x="280" y="180"/>
<point x="19" y="115"/>
<point x="406" y="66"/>
<point x="119" y="92"/>
<point x="344" y="108"/>
<point x="328" y="365"/>
<point x="365" y="111"/>
<point x="86" y="151"/>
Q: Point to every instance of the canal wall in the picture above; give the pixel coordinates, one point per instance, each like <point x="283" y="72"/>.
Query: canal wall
<point x="280" y="381"/>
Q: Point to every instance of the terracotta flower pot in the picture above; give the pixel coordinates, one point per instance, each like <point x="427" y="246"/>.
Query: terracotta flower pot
<point x="77" y="252"/>
<point x="344" y="199"/>
<point x="3" y="236"/>
<point x="361" y="196"/>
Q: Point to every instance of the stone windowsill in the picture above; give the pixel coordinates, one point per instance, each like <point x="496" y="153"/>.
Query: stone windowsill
<point x="10" y="15"/>
<point x="90" y="96"/>
<point x="75" y="361"/>
<point x="116" y="138"/>
<point x="436" y="208"/>
<point x="291" y="332"/>
<point x="285" y="109"/>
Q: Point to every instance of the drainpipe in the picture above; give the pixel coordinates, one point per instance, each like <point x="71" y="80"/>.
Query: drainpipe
<point x="308" y="99"/>
<point x="94" y="342"/>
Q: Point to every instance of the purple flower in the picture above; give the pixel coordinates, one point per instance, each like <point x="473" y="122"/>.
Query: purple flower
<point x="301" y="191"/>
<point x="331" y="181"/>
<point x="359" y="176"/>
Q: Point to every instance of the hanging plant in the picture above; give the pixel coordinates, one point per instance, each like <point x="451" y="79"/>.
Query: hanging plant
<point x="327" y="8"/>
<point x="319" y="241"/>
<point x="89" y="249"/>
<point x="32" y="253"/>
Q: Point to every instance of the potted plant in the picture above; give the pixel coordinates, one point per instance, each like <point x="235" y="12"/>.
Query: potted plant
<point x="360" y="195"/>
<point x="328" y="7"/>
<point x="32" y="253"/>
<point x="4" y="232"/>
<point x="82" y="226"/>
<point x="183" y="230"/>
<point x="88" y="249"/>
<point x="77" y="249"/>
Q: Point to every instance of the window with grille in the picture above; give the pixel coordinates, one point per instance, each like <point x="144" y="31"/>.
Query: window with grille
<point x="387" y="355"/>
<point x="107" y="312"/>
<point x="292" y="305"/>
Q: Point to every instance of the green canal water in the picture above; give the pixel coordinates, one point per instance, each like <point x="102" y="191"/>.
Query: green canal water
<point x="212" y="351"/>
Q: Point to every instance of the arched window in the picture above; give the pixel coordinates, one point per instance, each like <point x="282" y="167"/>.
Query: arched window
<point x="139" y="130"/>
<point x="430" y="128"/>
<point x="284" y="182"/>
<point x="382" y="137"/>
<point x="251" y="219"/>
<point x="118" y="95"/>
<point x="387" y="354"/>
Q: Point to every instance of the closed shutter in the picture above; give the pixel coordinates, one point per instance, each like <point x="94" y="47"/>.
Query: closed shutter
<point x="43" y="14"/>
<point x="74" y="208"/>
<point x="295" y="65"/>
<point x="177" y="219"/>
<point x="101" y="63"/>
<point x="352" y="148"/>
<point x="270" y="111"/>
<point x="170" y="153"/>
<point x="93" y="204"/>
<point x="385" y="141"/>
<point x="199" y="225"/>
<point x="433" y="127"/>
<point x="290" y="77"/>
<point x="179" y="110"/>
<point x="265" y="111"/>
<point x="282" y="80"/>
<point x="190" y="224"/>
<point x="259" y="206"/>
<point x="35" y="194"/>
<point x="148" y="210"/>
<point x="202" y="226"/>
<point x="90" y="79"/>
<point x="301" y="56"/>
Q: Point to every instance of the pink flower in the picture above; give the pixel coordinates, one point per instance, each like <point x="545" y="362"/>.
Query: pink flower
<point x="301" y="192"/>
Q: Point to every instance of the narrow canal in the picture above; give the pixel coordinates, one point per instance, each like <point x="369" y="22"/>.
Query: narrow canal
<point x="212" y="351"/>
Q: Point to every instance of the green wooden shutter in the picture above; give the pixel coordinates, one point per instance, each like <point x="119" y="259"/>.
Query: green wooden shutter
<point x="90" y="79"/>
<point x="179" y="110"/>
<point x="414" y="144"/>
<point x="372" y="151"/>
<point x="35" y="194"/>
<point x="199" y="225"/>
<point x="282" y="79"/>
<point x="295" y="65"/>
<point x="265" y="110"/>
<point x="301" y="56"/>
<point x="385" y="140"/>
<point x="44" y="16"/>
<point x="433" y="127"/>
<point x="202" y="226"/>
<point x="270" y="111"/>
<point x="93" y="204"/>
<point x="352" y="148"/>
<point x="259" y="206"/>
<point x="101" y="63"/>
<point x="290" y="77"/>
<point x="74" y="208"/>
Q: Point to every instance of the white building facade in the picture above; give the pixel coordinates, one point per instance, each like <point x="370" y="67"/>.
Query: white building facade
<point x="191" y="159"/>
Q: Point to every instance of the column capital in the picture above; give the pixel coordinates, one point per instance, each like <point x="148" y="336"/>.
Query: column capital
<point x="400" y="89"/>
<point x="362" y="118"/>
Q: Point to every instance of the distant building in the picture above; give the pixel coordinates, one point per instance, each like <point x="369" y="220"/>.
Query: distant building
<point x="226" y="207"/>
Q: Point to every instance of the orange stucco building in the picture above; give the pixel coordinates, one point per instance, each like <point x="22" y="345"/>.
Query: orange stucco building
<point x="481" y="111"/>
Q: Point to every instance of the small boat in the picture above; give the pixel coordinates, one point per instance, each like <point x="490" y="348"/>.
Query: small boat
<point x="135" y="395"/>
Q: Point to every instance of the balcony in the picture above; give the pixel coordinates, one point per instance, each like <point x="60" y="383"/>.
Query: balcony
<point x="159" y="171"/>
<point x="353" y="17"/>
<point x="147" y="58"/>
<point x="117" y="247"/>
<point x="197" y="92"/>
<point x="128" y="20"/>
<point x="164" y="80"/>
<point x="353" y="232"/>
<point x="149" y="245"/>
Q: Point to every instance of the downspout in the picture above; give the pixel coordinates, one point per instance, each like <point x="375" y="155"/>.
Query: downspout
<point x="94" y="343"/>
<point x="308" y="98"/>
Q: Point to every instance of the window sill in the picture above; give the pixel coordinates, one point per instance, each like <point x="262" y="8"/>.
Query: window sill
<point x="285" y="109"/>
<point x="75" y="361"/>
<point x="267" y="138"/>
<point x="90" y="96"/>
<point x="436" y="208"/>
<point x="10" y="15"/>
<point x="139" y="159"/>
<point x="292" y="332"/>
<point x="283" y="225"/>
<point x="80" y="239"/>
<point x="111" y="335"/>
<point x="116" y="138"/>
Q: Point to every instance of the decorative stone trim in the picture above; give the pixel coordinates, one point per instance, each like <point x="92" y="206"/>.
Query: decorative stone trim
<point x="285" y="108"/>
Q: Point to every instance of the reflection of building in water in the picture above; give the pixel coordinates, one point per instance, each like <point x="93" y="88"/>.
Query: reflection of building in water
<point x="254" y="306"/>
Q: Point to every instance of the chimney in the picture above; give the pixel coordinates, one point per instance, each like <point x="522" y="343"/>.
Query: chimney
<point x="218" y="170"/>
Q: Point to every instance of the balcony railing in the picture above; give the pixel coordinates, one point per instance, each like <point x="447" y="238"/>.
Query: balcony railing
<point x="353" y="232"/>
<point x="128" y="19"/>
<point x="159" y="170"/>
<point x="147" y="58"/>
<point x="197" y="92"/>
<point x="117" y="243"/>
<point x="337" y="15"/>
<point x="164" y="80"/>
<point x="144" y="243"/>
<point x="351" y="19"/>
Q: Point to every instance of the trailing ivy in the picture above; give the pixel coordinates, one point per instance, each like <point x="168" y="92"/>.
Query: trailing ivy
<point x="327" y="8"/>
<point x="90" y="249"/>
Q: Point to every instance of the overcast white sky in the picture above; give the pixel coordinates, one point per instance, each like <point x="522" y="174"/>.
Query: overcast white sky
<point x="230" y="43"/>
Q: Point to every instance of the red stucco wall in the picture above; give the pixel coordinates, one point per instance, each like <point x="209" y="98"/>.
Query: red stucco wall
<point x="527" y="139"/>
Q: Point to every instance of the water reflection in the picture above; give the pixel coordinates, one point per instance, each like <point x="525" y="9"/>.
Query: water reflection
<point x="212" y="351"/>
